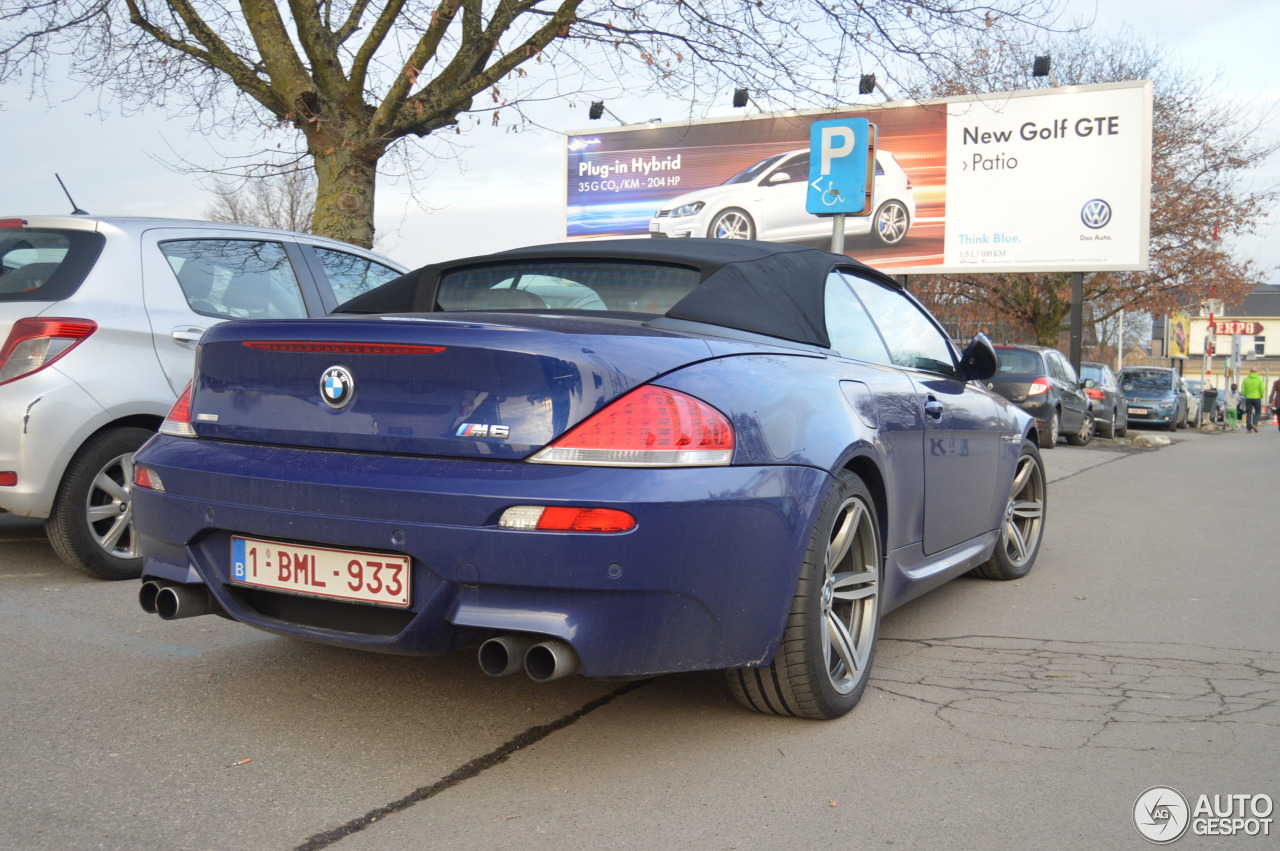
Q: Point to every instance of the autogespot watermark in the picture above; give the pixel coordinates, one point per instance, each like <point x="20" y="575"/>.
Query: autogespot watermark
<point x="1162" y="815"/>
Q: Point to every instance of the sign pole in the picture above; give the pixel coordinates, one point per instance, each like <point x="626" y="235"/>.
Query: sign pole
<point x="837" y="233"/>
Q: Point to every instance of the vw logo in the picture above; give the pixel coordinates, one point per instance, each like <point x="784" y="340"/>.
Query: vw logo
<point x="1096" y="214"/>
<point x="336" y="387"/>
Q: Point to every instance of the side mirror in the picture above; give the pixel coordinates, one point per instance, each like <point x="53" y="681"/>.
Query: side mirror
<point x="978" y="363"/>
<point x="778" y="177"/>
<point x="1088" y="384"/>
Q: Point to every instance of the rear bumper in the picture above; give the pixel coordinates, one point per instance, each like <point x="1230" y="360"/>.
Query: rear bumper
<point x="703" y="581"/>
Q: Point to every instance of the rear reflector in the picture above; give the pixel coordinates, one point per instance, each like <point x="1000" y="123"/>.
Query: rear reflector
<point x="648" y="427"/>
<point x="343" y="348"/>
<point x="565" y="519"/>
<point x="9" y="479"/>
<point x="178" y="423"/>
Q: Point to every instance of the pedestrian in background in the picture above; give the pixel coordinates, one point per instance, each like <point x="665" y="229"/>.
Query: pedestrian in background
<point x="1231" y="411"/>
<point x="1253" y="388"/>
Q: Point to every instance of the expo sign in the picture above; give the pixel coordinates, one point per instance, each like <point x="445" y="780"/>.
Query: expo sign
<point x="1229" y="327"/>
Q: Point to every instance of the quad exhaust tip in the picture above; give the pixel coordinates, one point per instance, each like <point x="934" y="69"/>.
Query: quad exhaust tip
<point x="543" y="661"/>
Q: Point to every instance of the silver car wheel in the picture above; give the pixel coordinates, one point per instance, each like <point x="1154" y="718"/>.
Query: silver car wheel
<point x="1024" y="515"/>
<point x="732" y="224"/>
<point x="892" y="223"/>
<point x="850" y="595"/>
<point x="109" y="508"/>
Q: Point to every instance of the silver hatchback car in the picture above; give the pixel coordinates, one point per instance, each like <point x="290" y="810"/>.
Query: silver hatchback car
<point x="99" y="319"/>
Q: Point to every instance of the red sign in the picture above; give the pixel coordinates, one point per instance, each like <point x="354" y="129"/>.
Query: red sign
<point x="1230" y="326"/>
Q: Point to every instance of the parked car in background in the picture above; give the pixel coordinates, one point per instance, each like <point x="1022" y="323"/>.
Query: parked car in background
<point x="767" y="201"/>
<point x="1043" y="383"/>
<point x="1106" y="402"/>
<point x="100" y="317"/>
<point x="1195" y="394"/>
<point x="708" y="455"/>
<point x="1155" y="396"/>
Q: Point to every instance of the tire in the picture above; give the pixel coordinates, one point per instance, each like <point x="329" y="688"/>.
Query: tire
<point x="732" y="224"/>
<point x="1085" y="434"/>
<point x="1173" y="424"/>
<point x="891" y="223"/>
<point x="837" y="597"/>
<point x="1049" y="435"/>
<point x="1022" y="526"/>
<point x="1108" y="429"/>
<point x="91" y="525"/>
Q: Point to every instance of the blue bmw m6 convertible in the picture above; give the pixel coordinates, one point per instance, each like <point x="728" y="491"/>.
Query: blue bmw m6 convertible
<point x="615" y="459"/>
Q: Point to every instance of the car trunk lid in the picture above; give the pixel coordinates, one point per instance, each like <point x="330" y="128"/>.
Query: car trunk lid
<point x="471" y="386"/>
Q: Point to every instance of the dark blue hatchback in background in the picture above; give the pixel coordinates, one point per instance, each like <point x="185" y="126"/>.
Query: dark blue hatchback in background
<point x="1043" y="383"/>
<point x="610" y="458"/>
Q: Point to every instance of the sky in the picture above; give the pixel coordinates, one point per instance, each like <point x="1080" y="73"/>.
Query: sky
<point x="506" y="189"/>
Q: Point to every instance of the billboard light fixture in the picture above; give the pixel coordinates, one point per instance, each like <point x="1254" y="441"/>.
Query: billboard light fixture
<point x="742" y="97"/>
<point x="1042" y="67"/>
<point x="598" y="109"/>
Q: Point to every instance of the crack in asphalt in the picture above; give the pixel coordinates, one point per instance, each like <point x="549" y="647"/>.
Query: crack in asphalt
<point x="471" y="769"/>
<point x="1064" y="695"/>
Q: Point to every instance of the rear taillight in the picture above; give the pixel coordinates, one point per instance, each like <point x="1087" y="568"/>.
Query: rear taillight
<point x="1040" y="385"/>
<point x="178" y="423"/>
<point x="1095" y="393"/>
<point x="35" y="343"/>
<point x="145" y="477"/>
<point x="648" y="427"/>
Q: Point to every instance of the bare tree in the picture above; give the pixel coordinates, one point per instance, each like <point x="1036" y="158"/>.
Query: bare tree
<point x="285" y="201"/>
<point x="348" y="81"/>
<point x="1203" y="153"/>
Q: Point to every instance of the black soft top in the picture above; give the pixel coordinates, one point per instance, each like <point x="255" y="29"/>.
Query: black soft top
<point x="764" y="287"/>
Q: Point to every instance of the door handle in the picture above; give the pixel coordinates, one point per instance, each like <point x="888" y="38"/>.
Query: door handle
<point x="188" y="336"/>
<point x="933" y="409"/>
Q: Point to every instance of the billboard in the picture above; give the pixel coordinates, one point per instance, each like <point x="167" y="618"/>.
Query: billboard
<point x="1052" y="180"/>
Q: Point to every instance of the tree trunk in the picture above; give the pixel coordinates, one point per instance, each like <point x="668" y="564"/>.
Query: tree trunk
<point x="345" y="181"/>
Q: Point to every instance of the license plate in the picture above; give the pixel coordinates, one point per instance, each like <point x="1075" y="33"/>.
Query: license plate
<point x="654" y="226"/>
<point x="377" y="578"/>
<point x="1142" y="412"/>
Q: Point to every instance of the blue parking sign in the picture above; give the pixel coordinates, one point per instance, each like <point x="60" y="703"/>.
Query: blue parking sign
<point x="841" y="153"/>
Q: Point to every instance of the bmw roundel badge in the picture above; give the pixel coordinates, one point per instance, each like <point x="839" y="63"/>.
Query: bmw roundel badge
<point x="336" y="387"/>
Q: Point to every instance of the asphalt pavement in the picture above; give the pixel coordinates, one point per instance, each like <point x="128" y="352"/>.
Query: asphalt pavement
<point x="1143" y="650"/>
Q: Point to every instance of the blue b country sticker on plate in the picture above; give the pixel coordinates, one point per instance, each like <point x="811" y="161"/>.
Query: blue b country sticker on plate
<point x="237" y="558"/>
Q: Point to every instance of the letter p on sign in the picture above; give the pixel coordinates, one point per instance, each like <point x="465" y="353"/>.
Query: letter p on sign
<point x="837" y="142"/>
<point x="841" y="162"/>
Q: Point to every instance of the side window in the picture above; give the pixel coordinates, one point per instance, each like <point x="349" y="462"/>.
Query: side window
<point x="235" y="278"/>
<point x="1055" y="366"/>
<point x="796" y="169"/>
<point x="850" y="328"/>
<point x="911" y="337"/>
<point x="350" y="274"/>
<point x="1068" y="371"/>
